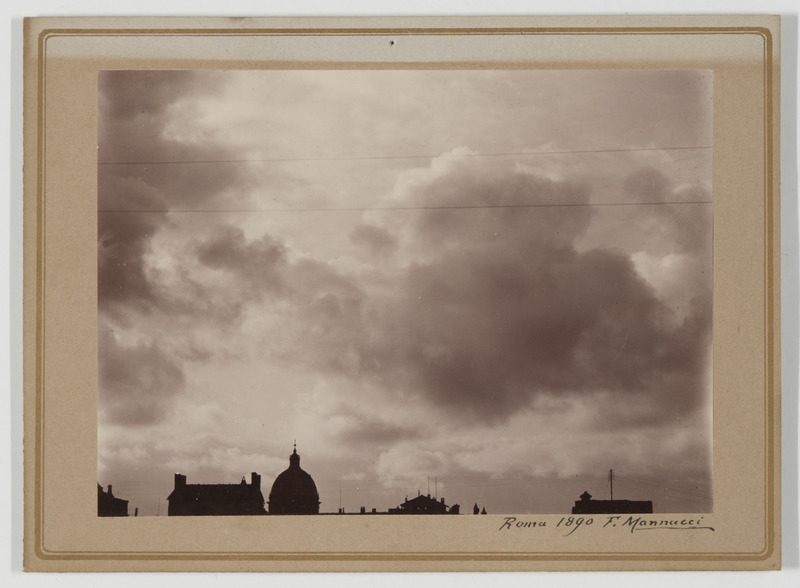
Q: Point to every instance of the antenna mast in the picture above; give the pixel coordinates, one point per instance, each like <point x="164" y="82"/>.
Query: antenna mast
<point x="611" y="482"/>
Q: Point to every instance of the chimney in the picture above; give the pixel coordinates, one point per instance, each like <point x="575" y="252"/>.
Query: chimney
<point x="109" y="491"/>
<point x="255" y="480"/>
<point x="180" y="481"/>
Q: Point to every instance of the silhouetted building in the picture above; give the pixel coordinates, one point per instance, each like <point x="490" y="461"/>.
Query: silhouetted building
<point x="216" y="499"/>
<point x="476" y="510"/>
<point x="294" y="491"/>
<point x="588" y="506"/>
<point x="424" y="504"/>
<point x="109" y="505"/>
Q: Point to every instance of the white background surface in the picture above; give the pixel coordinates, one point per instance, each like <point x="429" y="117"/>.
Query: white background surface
<point x="11" y="265"/>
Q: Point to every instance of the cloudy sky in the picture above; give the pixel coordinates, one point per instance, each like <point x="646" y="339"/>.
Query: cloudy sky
<point x="496" y="284"/>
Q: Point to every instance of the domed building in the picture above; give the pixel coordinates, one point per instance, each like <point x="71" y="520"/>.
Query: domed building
<point x="294" y="491"/>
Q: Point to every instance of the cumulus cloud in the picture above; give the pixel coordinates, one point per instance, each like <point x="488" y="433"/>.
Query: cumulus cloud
<point x="676" y="228"/>
<point x="258" y="264"/>
<point x="123" y="242"/>
<point x="376" y="239"/>
<point x="496" y="306"/>
<point x="138" y="185"/>
<point x="137" y="382"/>
<point x="154" y="158"/>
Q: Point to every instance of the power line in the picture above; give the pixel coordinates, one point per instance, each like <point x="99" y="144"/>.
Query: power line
<point x="381" y="157"/>
<point x="402" y="208"/>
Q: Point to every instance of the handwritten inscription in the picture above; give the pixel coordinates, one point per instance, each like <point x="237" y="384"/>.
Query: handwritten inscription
<point x="642" y="524"/>
<point x="513" y="522"/>
<point x="631" y="523"/>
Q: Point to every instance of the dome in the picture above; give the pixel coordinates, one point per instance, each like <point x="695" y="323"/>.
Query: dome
<point x="294" y="491"/>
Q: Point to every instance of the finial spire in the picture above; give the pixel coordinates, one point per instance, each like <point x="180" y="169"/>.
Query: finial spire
<point x="294" y="459"/>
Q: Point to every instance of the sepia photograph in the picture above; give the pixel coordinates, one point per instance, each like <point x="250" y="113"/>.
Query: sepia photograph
<point x="404" y="291"/>
<point x="292" y="286"/>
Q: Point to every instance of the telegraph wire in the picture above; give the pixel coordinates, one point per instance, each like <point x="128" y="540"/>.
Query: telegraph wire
<point x="406" y="208"/>
<point x="385" y="157"/>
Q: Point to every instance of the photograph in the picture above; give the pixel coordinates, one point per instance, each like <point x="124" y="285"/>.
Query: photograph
<point x="404" y="290"/>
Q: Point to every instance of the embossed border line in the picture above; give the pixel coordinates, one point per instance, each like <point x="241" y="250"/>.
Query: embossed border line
<point x="770" y="299"/>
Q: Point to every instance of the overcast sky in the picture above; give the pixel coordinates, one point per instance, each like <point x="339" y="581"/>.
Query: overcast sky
<point x="477" y="278"/>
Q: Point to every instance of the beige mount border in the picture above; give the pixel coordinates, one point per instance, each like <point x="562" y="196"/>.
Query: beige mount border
<point x="62" y="58"/>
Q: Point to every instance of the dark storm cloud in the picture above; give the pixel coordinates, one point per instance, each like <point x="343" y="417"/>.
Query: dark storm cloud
<point x="504" y="308"/>
<point x="260" y="263"/>
<point x="486" y="334"/>
<point x="376" y="239"/>
<point x="139" y="113"/>
<point x="322" y="305"/>
<point x="137" y="382"/>
<point x="136" y="111"/>
<point x="647" y="185"/>
<point x="123" y="240"/>
<point x="135" y="107"/>
<point x="263" y="265"/>
<point x="375" y="432"/>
